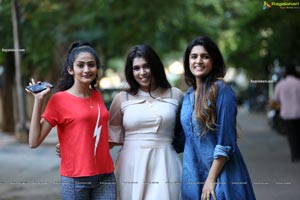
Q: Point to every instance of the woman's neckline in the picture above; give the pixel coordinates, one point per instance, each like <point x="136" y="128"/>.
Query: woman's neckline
<point x="79" y="97"/>
<point x="153" y="92"/>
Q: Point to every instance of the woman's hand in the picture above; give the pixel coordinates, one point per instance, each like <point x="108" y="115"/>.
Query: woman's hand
<point x="39" y="95"/>
<point x="39" y="128"/>
<point x="208" y="190"/>
<point x="58" y="150"/>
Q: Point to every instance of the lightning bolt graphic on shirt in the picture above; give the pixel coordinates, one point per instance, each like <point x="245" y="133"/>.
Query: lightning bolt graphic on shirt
<point x="97" y="131"/>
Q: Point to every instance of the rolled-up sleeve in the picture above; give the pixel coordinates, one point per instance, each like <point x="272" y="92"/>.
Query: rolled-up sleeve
<point x="222" y="151"/>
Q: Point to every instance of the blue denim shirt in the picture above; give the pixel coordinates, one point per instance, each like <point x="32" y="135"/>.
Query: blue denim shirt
<point x="200" y="150"/>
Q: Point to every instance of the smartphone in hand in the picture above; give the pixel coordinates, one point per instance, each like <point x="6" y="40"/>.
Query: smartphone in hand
<point x="36" y="88"/>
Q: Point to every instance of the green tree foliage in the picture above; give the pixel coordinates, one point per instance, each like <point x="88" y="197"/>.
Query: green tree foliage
<point x="259" y="37"/>
<point x="5" y="28"/>
<point x="47" y="27"/>
<point x="250" y="37"/>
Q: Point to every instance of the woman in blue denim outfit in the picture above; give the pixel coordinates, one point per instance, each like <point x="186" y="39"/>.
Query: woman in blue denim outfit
<point x="213" y="167"/>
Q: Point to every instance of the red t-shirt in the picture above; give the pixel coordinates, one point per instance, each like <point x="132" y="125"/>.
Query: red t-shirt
<point x="82" y="127"/>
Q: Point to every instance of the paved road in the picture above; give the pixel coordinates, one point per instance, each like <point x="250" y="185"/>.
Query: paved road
<point x="34" y="174"/>
<point x="268" y="158"/>
<point x="28" y="174"/>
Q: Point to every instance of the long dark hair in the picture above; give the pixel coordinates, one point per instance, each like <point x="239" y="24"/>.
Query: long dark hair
<point x="66" y="80"/>
<point x="157" y="69"/>
<point x="208" y="91"/>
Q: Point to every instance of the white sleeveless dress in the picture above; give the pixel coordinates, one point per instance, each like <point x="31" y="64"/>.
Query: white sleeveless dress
<point x="147" y="166"/>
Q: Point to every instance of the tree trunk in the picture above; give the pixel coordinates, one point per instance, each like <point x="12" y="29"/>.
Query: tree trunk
<point x="21" y="130"/>
<point x="8" y="123"/>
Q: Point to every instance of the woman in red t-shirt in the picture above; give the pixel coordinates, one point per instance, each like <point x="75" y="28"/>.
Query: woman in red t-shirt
<point x="78" y="112"/>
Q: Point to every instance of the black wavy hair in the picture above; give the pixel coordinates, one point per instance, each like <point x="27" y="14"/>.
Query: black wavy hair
<point x="66" y="80"/>
<point x="157" y="69"/>
<point x="218" y="69"/>
<point x="208" y="90"/>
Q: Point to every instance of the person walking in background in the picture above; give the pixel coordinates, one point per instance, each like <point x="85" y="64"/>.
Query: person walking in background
<point x="287" y="94"/>
<point x="213" y="167"/>
<point x="79" y="113"/>
<point x="143" y="121"/>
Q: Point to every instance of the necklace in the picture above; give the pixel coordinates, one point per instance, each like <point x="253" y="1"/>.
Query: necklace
<point x="89" y="101"/>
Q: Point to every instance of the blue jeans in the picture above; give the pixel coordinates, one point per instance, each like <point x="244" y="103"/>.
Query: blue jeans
<point x="99" y="187"/>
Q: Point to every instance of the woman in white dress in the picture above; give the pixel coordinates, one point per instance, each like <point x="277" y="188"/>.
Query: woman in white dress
<point x="143" y="119"/>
